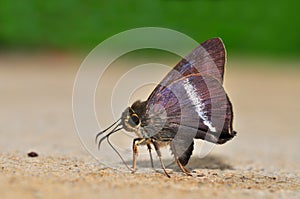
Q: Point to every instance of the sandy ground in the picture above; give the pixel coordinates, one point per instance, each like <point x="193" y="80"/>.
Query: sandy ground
<point x="36" y="115"/>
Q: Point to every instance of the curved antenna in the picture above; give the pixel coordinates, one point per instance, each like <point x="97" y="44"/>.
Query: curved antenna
<point x="107" y="138"/>
<point x="101" y="132"/>
<point x="110" y="144"/>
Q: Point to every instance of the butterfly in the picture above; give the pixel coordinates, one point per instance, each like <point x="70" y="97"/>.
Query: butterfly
<point x="189" y="103"/>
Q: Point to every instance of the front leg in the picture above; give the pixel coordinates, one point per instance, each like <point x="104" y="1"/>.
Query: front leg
<point x="136" y="142"/>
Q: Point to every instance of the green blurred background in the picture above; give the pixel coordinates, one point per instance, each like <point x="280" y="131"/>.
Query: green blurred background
<point x="267" y="28"/>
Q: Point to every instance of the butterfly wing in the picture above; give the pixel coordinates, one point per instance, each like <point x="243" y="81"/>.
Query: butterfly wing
<point x="190" y="102"/>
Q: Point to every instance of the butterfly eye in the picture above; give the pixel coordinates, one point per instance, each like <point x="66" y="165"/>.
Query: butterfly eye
<point x="134" y="120"/>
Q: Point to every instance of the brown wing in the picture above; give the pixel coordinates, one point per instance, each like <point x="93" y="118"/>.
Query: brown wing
<point x="194" y="101"/>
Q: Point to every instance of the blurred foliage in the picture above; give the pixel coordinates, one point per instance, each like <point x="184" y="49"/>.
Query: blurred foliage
<point x="259" y="27"/>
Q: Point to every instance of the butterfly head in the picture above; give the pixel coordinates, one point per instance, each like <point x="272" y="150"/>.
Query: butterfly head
<point x="132" y="116"/>
<point x="130" y="120"/>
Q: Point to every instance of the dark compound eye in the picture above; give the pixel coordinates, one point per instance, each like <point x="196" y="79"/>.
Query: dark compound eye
<point x="134" y="120"/>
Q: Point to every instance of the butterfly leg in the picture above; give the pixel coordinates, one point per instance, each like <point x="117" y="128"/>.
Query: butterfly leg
<point x="136" y="142"/>
<point x="156" y="147"/>
<point x="183" y="169"/>
<point x="151" y="159"/>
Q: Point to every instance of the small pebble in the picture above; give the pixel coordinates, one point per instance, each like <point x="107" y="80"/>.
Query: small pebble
<point x="32" y="154"/>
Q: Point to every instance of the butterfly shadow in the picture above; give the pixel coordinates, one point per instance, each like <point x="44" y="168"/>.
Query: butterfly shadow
<point x="209" y="162"/>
